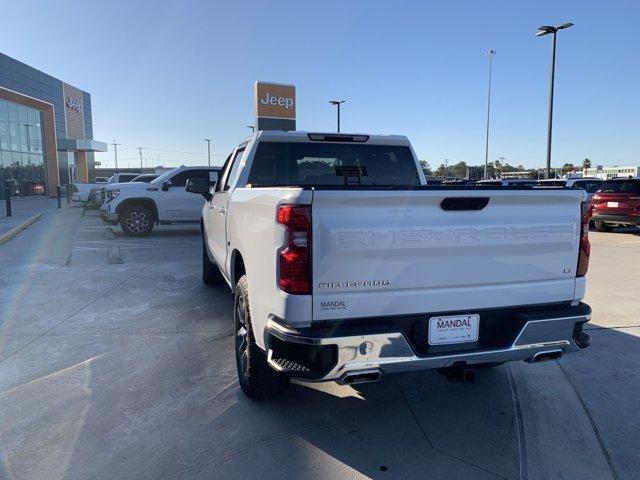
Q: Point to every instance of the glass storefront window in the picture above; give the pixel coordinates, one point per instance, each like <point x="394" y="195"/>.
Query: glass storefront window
<point x="5" y="159"/>
<point x="14" y="127"/>
<point x="23" y="118"/>
<point x="4" y="125"/>
<point x="22" y="156"/>
<point x="33" y="124"/>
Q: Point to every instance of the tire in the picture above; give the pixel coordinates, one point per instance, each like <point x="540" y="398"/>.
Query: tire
<point x="136" y="221"/>
<point x="210" y="273"/>
<point x="257" y="379"/>
<point x="603" y="227"/>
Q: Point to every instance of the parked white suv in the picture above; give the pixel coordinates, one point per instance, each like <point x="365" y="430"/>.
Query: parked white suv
<point x="345" y="265"/>
<point x="138" y="206"/>
<point x="588" y="184"/>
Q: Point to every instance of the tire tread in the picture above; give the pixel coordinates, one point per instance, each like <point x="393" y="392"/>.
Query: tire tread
<point x="263" y="381"/>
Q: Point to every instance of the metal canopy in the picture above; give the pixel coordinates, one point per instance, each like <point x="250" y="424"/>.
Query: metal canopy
<point x="81" y="145"/>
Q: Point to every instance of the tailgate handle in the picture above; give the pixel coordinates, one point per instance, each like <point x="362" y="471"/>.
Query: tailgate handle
<point x="464" y="203"/>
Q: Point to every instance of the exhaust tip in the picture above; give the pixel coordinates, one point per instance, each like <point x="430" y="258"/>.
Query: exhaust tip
<point x="364" y="376"/>
<point x="546" y="356"/>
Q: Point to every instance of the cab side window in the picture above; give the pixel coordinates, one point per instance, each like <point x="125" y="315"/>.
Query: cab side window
<point x="230" y="170"/>
<point x="233" y="172"/>
<point x="222" y="176"/>
<point x="180" y="179"/>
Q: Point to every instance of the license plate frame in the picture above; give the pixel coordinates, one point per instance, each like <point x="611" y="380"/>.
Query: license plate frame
<point x="453" y="329"/>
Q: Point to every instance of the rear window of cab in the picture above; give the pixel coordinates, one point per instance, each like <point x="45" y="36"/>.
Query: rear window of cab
<point x="307" y="164"/>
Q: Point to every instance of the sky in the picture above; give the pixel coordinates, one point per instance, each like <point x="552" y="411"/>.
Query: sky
<point x="164" y="75"/>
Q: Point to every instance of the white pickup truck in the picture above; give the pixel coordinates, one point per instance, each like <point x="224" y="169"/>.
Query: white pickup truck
<point x="139" y="206"/>
<point x="82" y="191"/>
<point x="346" y="266"/>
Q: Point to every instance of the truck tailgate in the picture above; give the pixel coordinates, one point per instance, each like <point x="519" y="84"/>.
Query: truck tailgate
<point x="387" y="252"/>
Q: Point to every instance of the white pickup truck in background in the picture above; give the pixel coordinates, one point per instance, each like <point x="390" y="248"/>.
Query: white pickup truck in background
<point x="81" y="191"/>
<point x="346" y="266"/>
<point x="139" y="206"/>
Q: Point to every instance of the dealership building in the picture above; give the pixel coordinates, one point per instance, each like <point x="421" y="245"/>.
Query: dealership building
<point x="46" y="131"/>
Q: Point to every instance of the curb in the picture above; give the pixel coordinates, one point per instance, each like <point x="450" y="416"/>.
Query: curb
<point x="5" y="237"/>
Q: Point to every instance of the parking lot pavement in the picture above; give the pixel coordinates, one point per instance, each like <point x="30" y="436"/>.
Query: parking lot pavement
<point x="127" y="371"/>
<point x="613" y="278"/>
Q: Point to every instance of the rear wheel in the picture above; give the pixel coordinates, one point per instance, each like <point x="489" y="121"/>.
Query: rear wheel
<point x="603" y="227"/>
<point x="136" y="221"/>
<point x="257" y="378"/>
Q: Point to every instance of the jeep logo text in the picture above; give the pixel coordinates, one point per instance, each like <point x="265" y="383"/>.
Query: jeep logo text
<point x="286" y="102"/>
<point x="73" y="104"/>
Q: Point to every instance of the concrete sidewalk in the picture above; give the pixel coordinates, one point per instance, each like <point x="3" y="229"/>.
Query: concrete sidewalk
<point x="25" y="208"/>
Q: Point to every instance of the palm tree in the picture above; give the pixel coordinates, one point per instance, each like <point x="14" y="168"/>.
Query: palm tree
<point x="586" y="163"/>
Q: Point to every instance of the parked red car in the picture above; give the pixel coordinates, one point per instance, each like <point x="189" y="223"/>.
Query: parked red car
<point x="616" y="203"/>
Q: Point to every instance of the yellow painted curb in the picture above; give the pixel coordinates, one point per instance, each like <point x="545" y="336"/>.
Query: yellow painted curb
<point x="5" y="237"/>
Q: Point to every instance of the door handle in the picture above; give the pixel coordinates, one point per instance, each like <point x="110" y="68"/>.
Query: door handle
<point x="222" y="211"/>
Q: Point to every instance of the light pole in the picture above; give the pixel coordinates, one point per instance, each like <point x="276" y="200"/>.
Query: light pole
<point x="115" y="152"/>
<point x="337" y="103"/>
<point x="542" y="31"/>
<point x="252" y="127"/>
<point x="490" y="54"/>
<point x="208" y="140"/>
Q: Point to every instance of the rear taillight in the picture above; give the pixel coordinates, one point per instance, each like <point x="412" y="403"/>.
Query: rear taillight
<point x="585" y="246"/>
<point x="295" y="257"/>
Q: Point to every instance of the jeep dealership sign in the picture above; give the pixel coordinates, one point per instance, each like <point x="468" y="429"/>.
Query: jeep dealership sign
<point x="73" y="104"/>
<point x="275" y="106"/>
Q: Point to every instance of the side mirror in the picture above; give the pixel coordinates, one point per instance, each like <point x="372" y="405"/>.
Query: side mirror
<point x="165" y="186"/>
<point x="200" y="186"/>
<point x="213" y="178"/>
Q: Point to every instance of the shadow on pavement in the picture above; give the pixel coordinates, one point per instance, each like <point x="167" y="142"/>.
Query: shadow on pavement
<point x="168" y="406"/>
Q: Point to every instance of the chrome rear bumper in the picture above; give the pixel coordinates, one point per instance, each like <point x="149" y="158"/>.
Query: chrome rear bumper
<point x="391" y="352"/>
